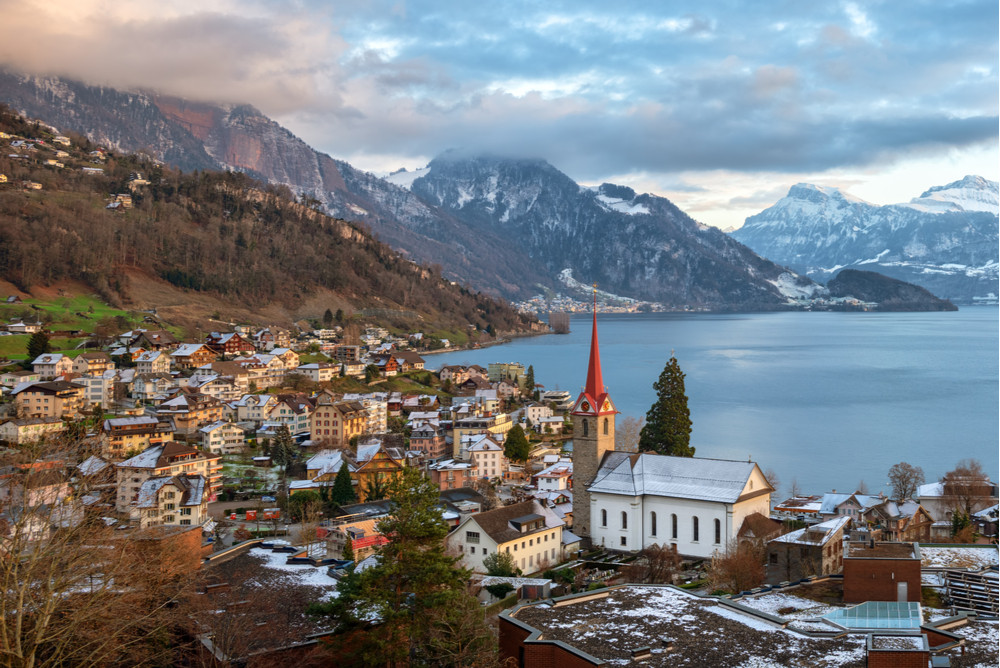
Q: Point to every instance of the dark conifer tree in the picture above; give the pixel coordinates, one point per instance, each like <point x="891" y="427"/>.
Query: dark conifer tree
<point x="343" y="491"/>
<point x="668" y="422"/>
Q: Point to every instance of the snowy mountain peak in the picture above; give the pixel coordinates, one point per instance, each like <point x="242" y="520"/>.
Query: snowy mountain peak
<point x="819" y="194"/>
<point x="972" y="193"/>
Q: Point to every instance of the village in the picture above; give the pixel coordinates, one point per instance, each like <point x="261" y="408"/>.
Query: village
<point x="244" y="463"/>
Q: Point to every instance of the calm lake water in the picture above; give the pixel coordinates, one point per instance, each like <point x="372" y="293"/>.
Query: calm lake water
<point x="826" y="399"/>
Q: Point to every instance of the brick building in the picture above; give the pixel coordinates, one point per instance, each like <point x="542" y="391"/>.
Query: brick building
<point x="882" y="572"/>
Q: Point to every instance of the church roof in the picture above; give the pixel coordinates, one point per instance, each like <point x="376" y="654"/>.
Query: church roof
<point x="679" y="477"/>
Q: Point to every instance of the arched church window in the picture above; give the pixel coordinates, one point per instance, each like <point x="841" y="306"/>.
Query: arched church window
<point x="624" y="520"/>
<point x="604" y="517"/>
<point x="605" y="426"/>
<point x="673" y="526"/>
<point x="652" y="524"/>
<point x="694" y="529"/>
<point x="718" y="531"/>
<point x="585" y="429"/>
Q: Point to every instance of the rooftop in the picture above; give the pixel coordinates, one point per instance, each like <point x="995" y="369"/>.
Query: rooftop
<point x="883" y="551"/>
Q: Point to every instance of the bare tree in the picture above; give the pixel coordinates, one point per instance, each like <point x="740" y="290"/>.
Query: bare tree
<point x="905" y="478"/>
<point x="737" y="569"/>
<point x="74" y="591"/>
<point x="771" y="476"/>
<point x="488" y="492"/>
<point x="967" y="487"/>
<point x="656" y="564"/>
<point x="795" y="490"/>
<point x="627" y="431"/>
<point x="862" y="488"/>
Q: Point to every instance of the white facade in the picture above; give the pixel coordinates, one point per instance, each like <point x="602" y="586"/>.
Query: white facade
<point x="676" y="509"/>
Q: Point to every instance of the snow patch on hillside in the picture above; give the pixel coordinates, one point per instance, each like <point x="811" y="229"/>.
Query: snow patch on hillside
<point x="622" y="206"/>
<point x="789" y="287"/>
<point x="405" y="179"/>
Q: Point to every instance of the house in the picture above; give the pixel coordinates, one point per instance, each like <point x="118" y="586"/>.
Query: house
<point x="177" y="500"/>
<point x="940" y="505"/>
<point x="555" y="478"/>
<point x="254" y="407"/>
<point x="30" y="430"/>
<point x="190" y="411"/>
<point x="270" y="338"/>
<point x="429" y="438"/>
<point x="24" y="327"/>
<point x="337" y="422"/>
<point x="894" y="521"/>
<point x="153" y="361"/>
<point x="151" y="388"/>
<point x="531" y="533"/>
<point x="550" y="425"/>
<point x="876" y="571"/>
<point x="100" y="389"/>
<point x="127" y="434"/>
<point x="363" y="535"/>
<point x="377" y="464"/>
<point x="14" y="378"/>
<point x="513" y="371"/>
<point x="495" y="425"/>
<point x="847" y="505"/>
<point x="92" y="364"/>
<point x="409" y="361"/>
<point x="223" y="438"/>
<point x="170" y="459"/>
<point x="455" y="373"/>
<point x="536" y="412"/>
<point x="52" y="365"/>
<point x="815" y="550"/>
<point x="800" y="507"/>
<point x="319" y="372"/>
<point x="452" y="473"/>
<point x="344" y="353"/>
<point x="326" y="464"/>
<point x="230" y="343"/>
<point x="486" y="454"/>
<point x="158" y="339"/>
<point x="757" y="530"/>
<point x="58" y="398"/>
<point x="192" y="356"/>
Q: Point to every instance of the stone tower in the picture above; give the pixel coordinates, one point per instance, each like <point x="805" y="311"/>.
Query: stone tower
<point x="593" y="435"/>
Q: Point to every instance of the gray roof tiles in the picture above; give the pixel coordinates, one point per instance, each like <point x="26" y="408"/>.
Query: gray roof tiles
<point x="680" y="477"/>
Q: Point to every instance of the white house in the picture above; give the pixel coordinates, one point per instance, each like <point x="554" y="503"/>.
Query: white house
<point x="222" y="438"/>
<point x="698" y="505"/>
<point x="555" y="478"/>
<point x="529" y="531"/>
<point x="487" y="455"/>
<point x="153" y="361"/>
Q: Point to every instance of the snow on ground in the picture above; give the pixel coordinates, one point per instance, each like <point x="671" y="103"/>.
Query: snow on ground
<point x="787" y="285"/>
<point x="958" y="557"/>
<point x="621" y="205"/>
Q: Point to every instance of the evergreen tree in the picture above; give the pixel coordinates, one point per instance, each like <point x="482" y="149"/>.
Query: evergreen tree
<point x="348" y="554"/>
<point x="416" y="591"/>
<point x="516" y="448"/>
<point x="529" y="382"/>
<point x="343" y="491"/>
<point x="668" y="422"/>
<point x="38" y="344"/>
<point x="328" y="317"/>
<point x="339" y="316"/>
<point x="501" y="564"/>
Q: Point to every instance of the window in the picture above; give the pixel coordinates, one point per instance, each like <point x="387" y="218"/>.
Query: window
<point x="652" y="524"/>
<point x="484" y="550"/>
<point x="694" y="529"/>
<point x="585" y="429"/>
<point x="624" y="520"/>
<point x="718" y="532"/>
<point x="772" y="558"/>
<point x="471" y="536"/>
<point x="604" y="518"/>
<point x="605" y="426"/>
<point x="673" y="526"/>
<point x="623" y="541"/>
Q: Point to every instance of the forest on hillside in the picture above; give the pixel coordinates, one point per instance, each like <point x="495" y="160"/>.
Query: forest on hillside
<point x="218" y="232"/>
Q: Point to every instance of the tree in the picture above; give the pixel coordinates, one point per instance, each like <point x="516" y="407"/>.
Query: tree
<point x="862" y="488"/>
<point x="771" y="476"/>
<point x="412" y="606"/>
<point x="501" y="564"/>
<point x="967" y="487"/>
<point x="516" y="447"/>
<point x="38" y="344"/>
<point x="529" y="382"/>
<point x="339" y="316"/>
<point x="904" y="479"/>
<point x="490" y="498"/>
<point x="343" y="491"/>
<point x="668" y="421"/>
<point x="627" y="433"/>
<point x="656" y="564"/>
<point x="282" y="451"/>
<point x="328" y="317"/>
<point x="303" y="505"/>
<point x="376" y="488"/>
<point x="348" y="553"/>
<point x="737" y="569"/>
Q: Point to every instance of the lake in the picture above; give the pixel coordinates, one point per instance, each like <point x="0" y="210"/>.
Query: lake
<point x="825" y="399"/>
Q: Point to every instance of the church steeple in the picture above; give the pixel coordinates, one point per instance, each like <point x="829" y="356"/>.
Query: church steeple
<point x="593" y="434"/>
<point x="594" y="399"/>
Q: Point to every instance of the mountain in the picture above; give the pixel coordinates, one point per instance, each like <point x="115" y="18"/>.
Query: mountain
<point x="946" y="240"/>
<point x="197" y="243"/>
<point x="510" y="227"/>
<point x="889" y="293"/>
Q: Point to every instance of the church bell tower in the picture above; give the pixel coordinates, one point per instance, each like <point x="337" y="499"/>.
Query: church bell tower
<point x="593" y="434"/>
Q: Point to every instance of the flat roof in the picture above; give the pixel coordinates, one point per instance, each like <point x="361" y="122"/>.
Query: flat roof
<point x="882" y="551"/>
<point x="878" y="615"/>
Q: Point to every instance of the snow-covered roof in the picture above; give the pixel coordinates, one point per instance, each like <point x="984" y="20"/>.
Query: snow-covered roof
<point x="145" y="459"/>
<point x="931" y="489"/>
<point x="367" y="451"/>
<point x="680" y="477"/>
<point x="817" y="534"/>
<point x="91" y="465"/>
<point x="48" y="358"/>
<point x="831" y="501"/>
<point x="187" y="349"/>
<point x="557" y="470"/>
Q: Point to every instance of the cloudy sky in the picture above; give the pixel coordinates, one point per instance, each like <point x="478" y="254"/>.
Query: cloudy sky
<point x="720" y="106"/>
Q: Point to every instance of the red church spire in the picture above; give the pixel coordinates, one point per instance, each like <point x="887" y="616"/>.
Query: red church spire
<point x="595" y="383"/>
<point x="594" y="399"/>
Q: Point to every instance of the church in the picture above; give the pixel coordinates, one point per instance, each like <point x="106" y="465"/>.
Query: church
<point x="627" y="501"/>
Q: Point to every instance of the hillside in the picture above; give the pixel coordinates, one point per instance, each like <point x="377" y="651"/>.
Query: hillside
<point x="218" y="241"/>
<point x="889" y="293"/>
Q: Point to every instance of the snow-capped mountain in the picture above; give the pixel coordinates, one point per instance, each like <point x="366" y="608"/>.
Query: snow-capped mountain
<point x="641" y="246"/>
<point x="500" y="225"/>
<point x="946" y="240"/>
